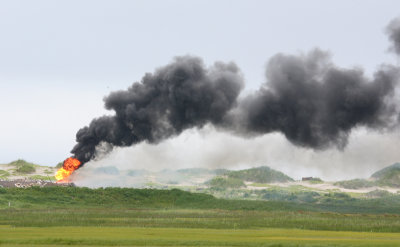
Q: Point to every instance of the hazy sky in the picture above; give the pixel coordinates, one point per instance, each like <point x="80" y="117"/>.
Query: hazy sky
<point x="58" y="59"/>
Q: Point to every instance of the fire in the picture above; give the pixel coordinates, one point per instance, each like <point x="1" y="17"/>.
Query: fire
<point x="69" y="166"/>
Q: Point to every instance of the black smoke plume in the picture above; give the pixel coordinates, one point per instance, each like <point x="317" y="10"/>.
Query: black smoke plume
<point x="181" y="95"/>
<point x="307" y="98"/>
<point x="315" y="104"/>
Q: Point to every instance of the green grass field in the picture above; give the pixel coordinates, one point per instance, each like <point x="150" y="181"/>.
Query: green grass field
<point x="132" y="236"/>
<point x="132" y="217"/>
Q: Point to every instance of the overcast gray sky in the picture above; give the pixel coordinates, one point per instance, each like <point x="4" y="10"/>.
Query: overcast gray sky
<point x="58" y="59"/>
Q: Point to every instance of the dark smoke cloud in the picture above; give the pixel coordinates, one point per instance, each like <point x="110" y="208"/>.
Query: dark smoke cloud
<point x="307" y="98"/>
<point x="393" y="31"/>
<point x="181" y="95"/>
<point x="315" y="104"/>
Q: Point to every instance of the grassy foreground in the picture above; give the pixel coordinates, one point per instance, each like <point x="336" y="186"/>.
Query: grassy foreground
<point x="132" y="217"/>
<point x="117" y="236"/>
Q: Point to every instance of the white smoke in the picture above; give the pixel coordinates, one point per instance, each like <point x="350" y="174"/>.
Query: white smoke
<point x="367" y="152"/>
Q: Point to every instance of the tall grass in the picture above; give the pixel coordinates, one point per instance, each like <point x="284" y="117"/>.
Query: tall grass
<point x="61" y="197"/>
<point x="196" y="218"/>
<point x="73" y="206"/>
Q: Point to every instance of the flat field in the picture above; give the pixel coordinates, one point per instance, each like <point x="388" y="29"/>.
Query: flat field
<point x="133" y="236"/>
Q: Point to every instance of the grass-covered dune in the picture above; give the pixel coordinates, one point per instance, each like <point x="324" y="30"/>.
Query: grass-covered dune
<point x="262" y="174"/>
<point x="23" y="167"/>
<point x="388" y="176"/>
<point x="20" y="169"/>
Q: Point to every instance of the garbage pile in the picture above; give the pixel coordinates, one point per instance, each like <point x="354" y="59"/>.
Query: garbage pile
<point x="27" y="183"/>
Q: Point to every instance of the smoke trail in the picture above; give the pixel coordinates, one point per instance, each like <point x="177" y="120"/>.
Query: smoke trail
<point x="393" y="31"/>
<point x="307" y="98"/>
<point x="315" y="104"/>
<point x="181" y="95"/>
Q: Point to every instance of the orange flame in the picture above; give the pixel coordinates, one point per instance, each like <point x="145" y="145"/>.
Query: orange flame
<point x="69" y="166"/>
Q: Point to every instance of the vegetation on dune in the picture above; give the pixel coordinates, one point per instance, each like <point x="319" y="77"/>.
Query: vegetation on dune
<point x="223" y="183"/>
<point x="388" y="176"/>
<point x="355" y="184"/>
<point x="220" y="171"/>
<point x="23" y="167"/>
<point x="391" y="179"/>
<point x="262" y="174"/>
<point x="383" y="172"/>
<point x="4" y="174"/>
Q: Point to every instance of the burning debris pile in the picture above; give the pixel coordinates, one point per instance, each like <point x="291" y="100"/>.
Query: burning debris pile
<point x="69" y="166"/>
<point x="308" y="99"/>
